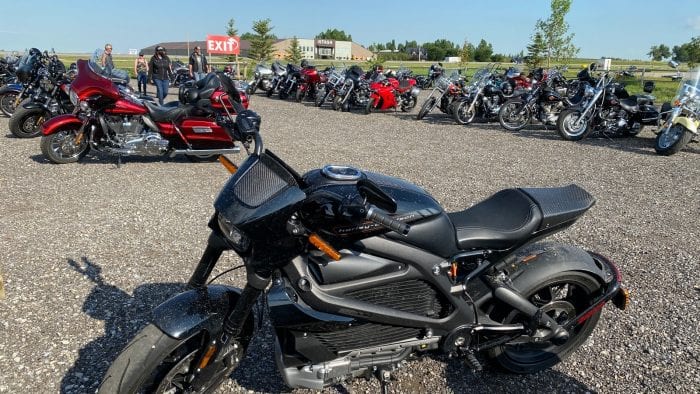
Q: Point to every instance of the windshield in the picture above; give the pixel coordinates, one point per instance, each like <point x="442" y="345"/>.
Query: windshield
<point x="690" y="86"/>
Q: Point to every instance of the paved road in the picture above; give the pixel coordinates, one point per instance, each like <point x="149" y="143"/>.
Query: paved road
<point x="89" y="249"/>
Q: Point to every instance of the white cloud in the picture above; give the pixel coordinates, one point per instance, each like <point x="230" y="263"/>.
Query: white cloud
<point x="694" y="22"/>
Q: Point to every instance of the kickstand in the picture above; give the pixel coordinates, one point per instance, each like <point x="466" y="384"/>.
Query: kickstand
<point x="384" y="376"/>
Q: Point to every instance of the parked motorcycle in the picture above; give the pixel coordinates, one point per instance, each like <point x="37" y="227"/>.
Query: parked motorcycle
<point x="354" y="92"/>
<point x="180" y="75"/>
<point x="682" y="122"/>
<point x="8" y="67"/>
<point x="483" y="98"/>
<point x="27" y="77"/>
<point x="114" y="120"/>
<point x="334" y="80"/>
<point x="279" y="76"/>
<point x="262" y="76"/>
<point x="445" y="91"/>
<point x="309" y="79"/>
<point x="360" y="271"/>
<point x="543" y="103"/>
<point x="50" y="98"/>
<point x="397" y="90"/>
<point x="609" y="109"/>
<point x="291" y="82"/>
<point x="435" y="72"/>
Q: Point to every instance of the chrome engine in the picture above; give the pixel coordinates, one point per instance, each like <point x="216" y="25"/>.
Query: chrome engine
<point x="129" y="135"/>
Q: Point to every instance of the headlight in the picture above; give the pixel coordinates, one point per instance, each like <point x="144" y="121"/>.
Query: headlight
<point x="73" y="97"/>
<point x="589" y="91"/>
<point x="84" y="106"/>
<point x="235" y="237"/>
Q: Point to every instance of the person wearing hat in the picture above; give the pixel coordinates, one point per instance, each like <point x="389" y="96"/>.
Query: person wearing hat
<point x="160" y="71"/>
<point x="141" y="72"/>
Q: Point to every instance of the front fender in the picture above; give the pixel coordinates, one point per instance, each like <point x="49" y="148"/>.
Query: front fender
<point x="202" y="309"/>
<point x="12" y="87"/>
<point x="688" y="123"/>
<point x="57" y="123"/>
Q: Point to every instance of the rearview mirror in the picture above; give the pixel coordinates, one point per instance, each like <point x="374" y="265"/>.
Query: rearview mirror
<point x="375" y="195"/>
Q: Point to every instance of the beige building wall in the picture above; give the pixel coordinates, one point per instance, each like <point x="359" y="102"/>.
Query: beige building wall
<point x="343" y="50"/>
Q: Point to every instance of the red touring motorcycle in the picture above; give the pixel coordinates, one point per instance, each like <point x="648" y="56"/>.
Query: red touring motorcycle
<point x="309" y="78"/>
<point x="111" y="119"/>
<point x="393" y="92"/>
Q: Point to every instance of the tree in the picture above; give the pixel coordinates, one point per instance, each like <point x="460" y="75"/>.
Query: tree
<point x="659" y="52"/>
<point x="688" y="52"/>
<point x="440" y="49"/>
<point x="536" y="51"/>
<point x="231" y="31"/>
<point x="466" y="52"/>
<point x="294" y="52"/>
<point x="334" y="34"/>
<point x="261" y="42"/>
<point x="554" y="32"/>
<point x="483" y="51"/>
<point x="391" y="45"/>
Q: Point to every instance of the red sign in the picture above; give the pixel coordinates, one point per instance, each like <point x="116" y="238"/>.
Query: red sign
<point x="223" y="45"/>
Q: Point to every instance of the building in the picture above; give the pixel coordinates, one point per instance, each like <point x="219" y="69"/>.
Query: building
<point x="323" y="49"/>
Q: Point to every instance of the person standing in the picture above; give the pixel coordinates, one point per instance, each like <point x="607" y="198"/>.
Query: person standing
<point x="106" y="61"/>
<point x="198" y="65"/>
<point x="160" y="71"/>
<point x="141" y="71"/>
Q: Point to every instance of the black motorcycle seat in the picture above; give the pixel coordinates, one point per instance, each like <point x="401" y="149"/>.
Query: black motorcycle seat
<point x="512" y="216"/>
<point x="168" y="112"/>
<point x="629" y="105"/>
<point x="207" y="85"/>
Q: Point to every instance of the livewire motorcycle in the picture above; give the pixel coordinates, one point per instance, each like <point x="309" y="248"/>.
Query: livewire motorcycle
<point x="112" y="119"/>
<point x="360" y="270"/>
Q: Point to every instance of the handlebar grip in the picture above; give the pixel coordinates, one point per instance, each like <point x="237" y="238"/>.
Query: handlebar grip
<point x="387" y="221"/>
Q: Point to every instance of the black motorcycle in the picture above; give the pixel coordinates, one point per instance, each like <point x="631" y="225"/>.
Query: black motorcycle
<point x="279" y="76"/>
<point x="51" y="98"/>
<point x="608" y="108"/>
<point x="482" y="98"/>
<point x="180" y="75"/>
<point x="27" y="74"/>
<point x="360" y="271"/>
<point x="354" y="92"/>
<point x="326" y="92"/>
<point x="291" y="82"/>
<point x="8" y="67"/>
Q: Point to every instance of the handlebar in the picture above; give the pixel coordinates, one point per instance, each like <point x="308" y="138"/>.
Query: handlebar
<point x="387" y="221"/>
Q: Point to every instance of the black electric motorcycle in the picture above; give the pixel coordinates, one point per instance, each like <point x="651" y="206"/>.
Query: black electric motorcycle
<point x="361" y="270"/>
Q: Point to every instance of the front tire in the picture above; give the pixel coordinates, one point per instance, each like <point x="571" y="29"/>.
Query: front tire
<point x="60" y="147"/>
<point x="671" y="140"/>
<point x="369" y="108"/>
<point x="571" y="126"/>
<point x="513" y="115"/>
<point x="8" y="103"/>
<point x="155" y="362"/>
<point x="562" y="297"/>
<point x="321" y="95"/>
<point x="462" y="114"/>
<point x="337" y="103"/>
<point x="26" y="123"/>
<point x="425" y="108"/>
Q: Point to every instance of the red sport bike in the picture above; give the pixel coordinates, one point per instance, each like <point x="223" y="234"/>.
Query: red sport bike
<point x="110" y="118"/>
<point x="390" y="91"/>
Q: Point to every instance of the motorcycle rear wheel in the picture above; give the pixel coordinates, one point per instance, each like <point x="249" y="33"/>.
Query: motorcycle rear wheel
<point x="408" y="105"/>
<point x="513" y="116"/>
<point x="462" y="114"/>
<point x="7" y="103"/>
<point x="155" y="362"/>
<point x="562" y="297"/>
<point x="26" y="123"/>
<point x="567" y="125"/>
<point x="426" y="107"/>
<point x="671" y="140"/>
<point x="60" y="147"/>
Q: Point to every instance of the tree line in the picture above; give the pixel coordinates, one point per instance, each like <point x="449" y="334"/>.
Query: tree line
<point x="684" y="53"/>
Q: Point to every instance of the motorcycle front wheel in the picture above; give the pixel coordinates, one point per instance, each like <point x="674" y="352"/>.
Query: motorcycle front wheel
<point x="426" y="107"/>
<point x="672" y="140"/>
<point x="369" y="108"/>
<point x="26" y="123"/>
<point x="514" y="115"/>
<point x="300" y="95"/>
<point x="8" y="103"/>
<point x="562" y="297"/>
<point x="462" y="114"/>
<point x="153" y="362"/>
<point x="321" y="96"/>
<point x="61" y="147"/>
<point x="409" y="104"/>
<point x="571" y="126"/>
<point x="270" y="91"/>
<point x="337" y="103"/>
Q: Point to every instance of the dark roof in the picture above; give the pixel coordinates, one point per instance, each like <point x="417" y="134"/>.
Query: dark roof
<point x="182" y="45"/>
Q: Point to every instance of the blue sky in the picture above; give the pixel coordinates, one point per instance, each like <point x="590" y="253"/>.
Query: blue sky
<point x="612" y="28"/>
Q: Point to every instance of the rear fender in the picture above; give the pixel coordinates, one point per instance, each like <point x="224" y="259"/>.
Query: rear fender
<point x="60" y="122"/>
<point x="202" y="309"/>
<point x="35" y="105"/>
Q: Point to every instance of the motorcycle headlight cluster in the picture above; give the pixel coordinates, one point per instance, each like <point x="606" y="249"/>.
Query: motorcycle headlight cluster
<point x="589" y="91"/>
<point x="73" y="98"/>
<point x="233" y="235"/>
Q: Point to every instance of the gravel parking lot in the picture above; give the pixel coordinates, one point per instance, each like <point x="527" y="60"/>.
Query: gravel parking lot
<point x="90" y="249"/>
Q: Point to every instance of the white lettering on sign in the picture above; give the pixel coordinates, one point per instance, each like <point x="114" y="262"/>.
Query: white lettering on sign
<point x="223" y="45"/>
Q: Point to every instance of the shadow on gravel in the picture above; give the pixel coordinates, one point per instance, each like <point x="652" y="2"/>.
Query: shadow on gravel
<point x="123" y="315"/>
<point x="105" y="159"/>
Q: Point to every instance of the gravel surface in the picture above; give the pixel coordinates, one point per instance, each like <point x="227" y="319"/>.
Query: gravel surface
<point x="90" y="249"/>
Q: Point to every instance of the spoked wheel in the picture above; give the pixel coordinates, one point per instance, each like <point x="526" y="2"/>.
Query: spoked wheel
<point x="26" y="123"/>
<point x="462" y="113"/>
<point x="514" y="115"/>
<point x="62" y="147"/>
<point x="337" y="103"/>
<point x="562" y="298"/>
<point x="369" y="108"/>
<point x="299" y="96"/>
<point x="321" y="95"/>
<point x="672" y="139"/>
<point x="8" y="103"/>
<point x="571" y="126"/>
<point x="426" y="108"/>
<point x="409" y="104"/>
<point x="155" y="363"/>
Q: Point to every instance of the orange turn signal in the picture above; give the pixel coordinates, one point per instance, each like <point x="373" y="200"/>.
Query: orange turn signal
<point x="207" y="357"/>
<point x="232" y="168"/>
<point x="324" y="247"/>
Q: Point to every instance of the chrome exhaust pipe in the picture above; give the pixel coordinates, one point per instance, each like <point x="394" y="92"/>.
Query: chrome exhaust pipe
<point x="201" y="152"/>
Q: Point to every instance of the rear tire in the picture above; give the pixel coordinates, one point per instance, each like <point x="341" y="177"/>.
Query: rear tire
<point x="408" y="105"/>
<point x="672" y="140"/>
<point x="562" y="297"/>
<point x="425" y="108"/>
<point x="26" y="123"/>
<point x="567" y="127"/>
<point x="60" y="147"/>
<point x="7" y="103"/>
<point x="512" y="116"/>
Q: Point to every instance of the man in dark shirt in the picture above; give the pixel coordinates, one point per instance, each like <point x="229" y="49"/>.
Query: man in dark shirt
<point x="198" y="65"/>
